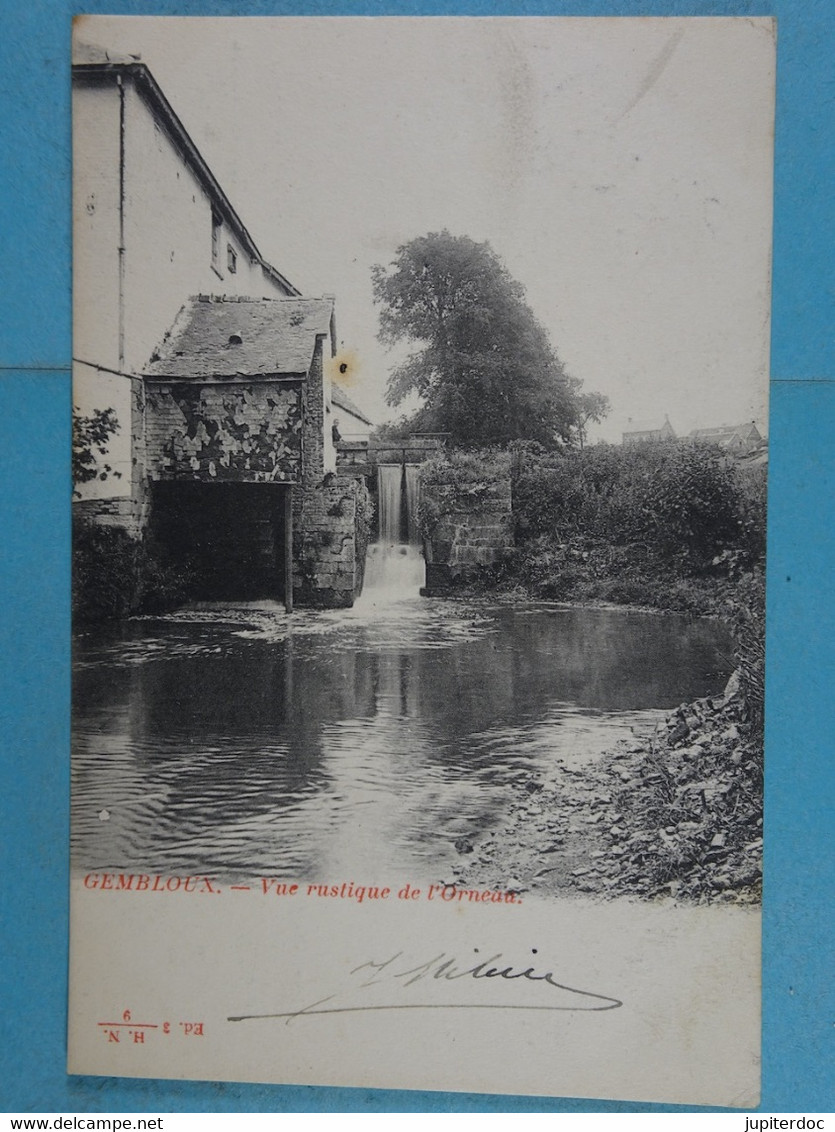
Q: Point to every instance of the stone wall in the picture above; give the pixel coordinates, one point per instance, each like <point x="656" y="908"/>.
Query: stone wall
<point x="249" y="432"/>
<point x="230" y="431"/>
<point x="117" y="511"/>
<point x="353" y="457"/>
<point x="361" y="457"/>
<point x="326" y="572"/>
<point x="473" y="528"/>
<point x="313" y="412"/>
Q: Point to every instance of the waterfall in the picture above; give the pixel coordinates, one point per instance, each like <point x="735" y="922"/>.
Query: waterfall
<point x="413" y="503"/>
<point x="394" y="568"/>
<point x="389" y="502"/>
<point x="392" y="574"/>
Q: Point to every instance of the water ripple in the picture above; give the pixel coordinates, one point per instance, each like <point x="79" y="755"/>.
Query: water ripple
<point x="237" y="741"/>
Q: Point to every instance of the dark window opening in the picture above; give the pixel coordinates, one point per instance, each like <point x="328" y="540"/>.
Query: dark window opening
<point x="217" y="225"/>
<point x="231" y="259"/>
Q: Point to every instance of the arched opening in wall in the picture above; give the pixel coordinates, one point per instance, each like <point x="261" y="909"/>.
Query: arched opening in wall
<point x="229" y="537"/>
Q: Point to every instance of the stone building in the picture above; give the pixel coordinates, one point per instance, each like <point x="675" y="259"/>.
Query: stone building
<point x="219" y="371"/>
<point x="351" y="422"/>
<point x="640" y="431"/>
<point x="736" y="440"/>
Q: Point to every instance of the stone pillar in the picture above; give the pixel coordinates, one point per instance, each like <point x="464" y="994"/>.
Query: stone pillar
<point x="473" y="533"/>
<point x="288" y="548"/>
<point x="139" y="493"/>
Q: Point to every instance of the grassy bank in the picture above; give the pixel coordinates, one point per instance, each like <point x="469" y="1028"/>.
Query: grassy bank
<point x="586" y="573"/>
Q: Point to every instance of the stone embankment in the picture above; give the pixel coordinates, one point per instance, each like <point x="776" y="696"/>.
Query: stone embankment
<point x="471" y="525"/>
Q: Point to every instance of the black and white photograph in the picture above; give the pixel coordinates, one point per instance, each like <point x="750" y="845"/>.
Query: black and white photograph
<point x="420" y="452"/>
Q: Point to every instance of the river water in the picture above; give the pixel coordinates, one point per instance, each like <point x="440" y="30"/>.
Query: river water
<point x="234" y="741"/>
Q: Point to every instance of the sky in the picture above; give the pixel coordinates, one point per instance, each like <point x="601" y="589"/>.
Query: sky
<point x="621" y="168"/>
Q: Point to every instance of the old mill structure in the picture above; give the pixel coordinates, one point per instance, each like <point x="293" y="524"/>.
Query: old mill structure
<point x="220" y="373"/>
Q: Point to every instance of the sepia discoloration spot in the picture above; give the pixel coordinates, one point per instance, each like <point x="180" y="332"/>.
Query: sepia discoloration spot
<point x="345" y="368"/>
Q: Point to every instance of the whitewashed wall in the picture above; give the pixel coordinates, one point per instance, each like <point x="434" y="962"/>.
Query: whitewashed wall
<point x="167" y="252"/>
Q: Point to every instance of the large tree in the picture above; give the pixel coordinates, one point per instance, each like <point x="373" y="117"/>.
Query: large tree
<point x="484" y="369"/>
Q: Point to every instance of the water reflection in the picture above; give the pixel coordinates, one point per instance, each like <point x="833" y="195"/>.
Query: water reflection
<point x="360" y="743"/>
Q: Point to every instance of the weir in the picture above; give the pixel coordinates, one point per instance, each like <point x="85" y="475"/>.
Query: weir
<point x="395" y="567"/>
<point x="412" y="476"/>
<point x="390" y="504"/>
<point x="398" y="500"/>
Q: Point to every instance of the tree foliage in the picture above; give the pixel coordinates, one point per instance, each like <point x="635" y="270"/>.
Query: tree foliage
<point x="590" y="407"/>
<point x="484" y="369"/>
<point x="90" y="438"/>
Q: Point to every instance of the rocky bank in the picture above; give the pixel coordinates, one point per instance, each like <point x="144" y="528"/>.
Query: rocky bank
<point x="675" y="812"/>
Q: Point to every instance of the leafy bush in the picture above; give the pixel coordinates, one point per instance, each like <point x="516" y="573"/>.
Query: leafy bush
<point x="752" y="483"/>
<point x="90" y="438"/>
<point x="682" y="505"/>
<point x="692" y="504"/>
<point x="114" y="575"/>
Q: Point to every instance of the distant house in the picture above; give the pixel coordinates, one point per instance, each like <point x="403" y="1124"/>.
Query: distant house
<point x="219" y="371"/>
<point x="737" y="440"/>
<point x="351" y="421"/>
<point x="640" y="431"/>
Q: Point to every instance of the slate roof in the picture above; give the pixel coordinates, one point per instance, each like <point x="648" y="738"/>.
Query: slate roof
<point x="277" y="336"/>
<point x="342" y="401"/>
<point x="725" y="432"/>
<point x="653" y="426"/>
<point x="758" y="456"/>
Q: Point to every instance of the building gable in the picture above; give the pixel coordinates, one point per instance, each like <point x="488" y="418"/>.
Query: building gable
<point x="242" y="337"/>
<point x="93" y="65"/>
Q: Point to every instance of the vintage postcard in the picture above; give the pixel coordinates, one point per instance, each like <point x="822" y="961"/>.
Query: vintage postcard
<point x="420" y="449"/>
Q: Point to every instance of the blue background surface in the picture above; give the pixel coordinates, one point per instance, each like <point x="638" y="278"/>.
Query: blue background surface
<point x="799" y="1000"/>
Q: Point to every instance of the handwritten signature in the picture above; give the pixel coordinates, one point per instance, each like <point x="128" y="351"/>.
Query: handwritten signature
<point x="443" y="969"/>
